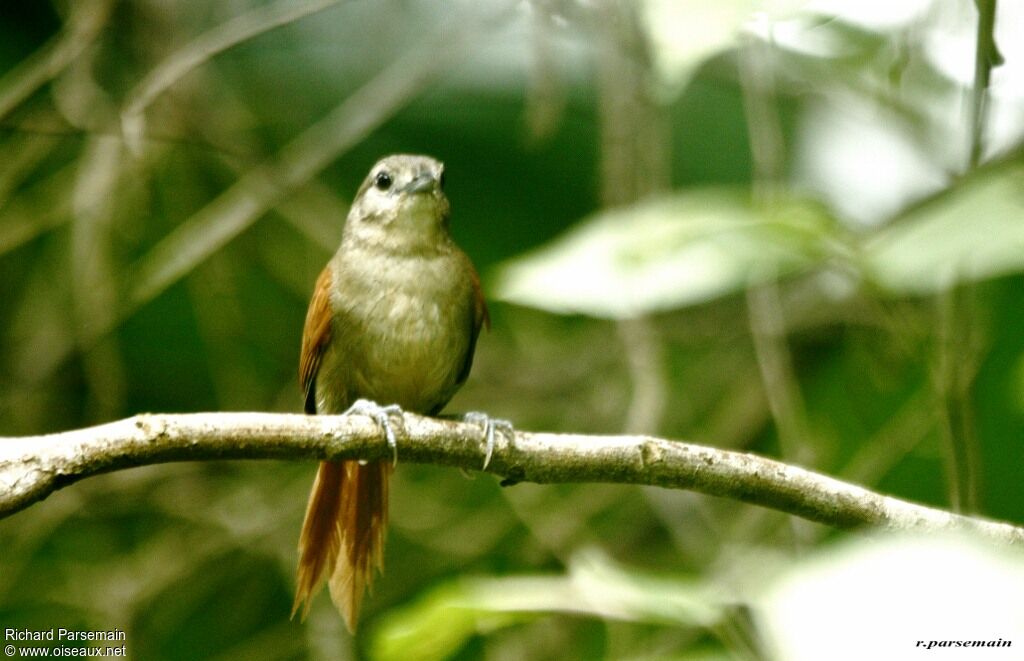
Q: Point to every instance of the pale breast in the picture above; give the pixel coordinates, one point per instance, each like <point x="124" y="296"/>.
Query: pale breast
<point x="405" y="325"/>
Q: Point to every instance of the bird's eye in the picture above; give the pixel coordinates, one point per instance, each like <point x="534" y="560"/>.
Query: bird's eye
<point x="382" y="181"/>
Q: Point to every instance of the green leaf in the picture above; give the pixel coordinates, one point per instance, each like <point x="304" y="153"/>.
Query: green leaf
<point x="436" y="626"/>
<point x="680" y="250"/>
<point x="440" y="623"/>
<point x="973" y="232"/>
<point x="685" y="34"/>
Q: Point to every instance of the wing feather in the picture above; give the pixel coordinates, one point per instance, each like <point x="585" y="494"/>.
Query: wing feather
<point x="315" y="336"/>
<point x="481" y="318"/>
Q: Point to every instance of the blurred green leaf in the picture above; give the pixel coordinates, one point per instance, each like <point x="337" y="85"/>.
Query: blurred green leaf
<point x="685" y="34"/>
<point x="437" y="625"/>
<point x="971" y="232"/>
<point x="440" y="623"/>
<point x="666" y="253"/>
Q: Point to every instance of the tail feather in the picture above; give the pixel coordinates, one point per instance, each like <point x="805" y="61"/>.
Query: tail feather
<point x="364" y="520"/>
<point x="343" y="534"/>
<point x="320" y="538"/>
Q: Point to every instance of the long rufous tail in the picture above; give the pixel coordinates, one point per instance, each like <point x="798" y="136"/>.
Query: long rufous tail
<point x="343" y="535"/>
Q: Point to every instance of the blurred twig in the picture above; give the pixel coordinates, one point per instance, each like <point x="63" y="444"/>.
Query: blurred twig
<point x="634" y="165"/>
<point x="764" y="306"/>
<point x="83" y="25"/>
<point x="986" y="57"/>
<point x="199" y="51"/>
<point x="781" y="388"/>
<point x="33" y="467"/>
<point x="903" y="431"/>
<point x="958" y="349"/>
<point x="94" y="283"/>
<point x="545" y="91"/>
<point x="767" y="149"/>
<point x="645" y="356"/>
<point x="21" y="220"/>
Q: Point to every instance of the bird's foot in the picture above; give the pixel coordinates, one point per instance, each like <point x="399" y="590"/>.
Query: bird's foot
<point x="381" y="415"/>
<point x="489" y="424"/>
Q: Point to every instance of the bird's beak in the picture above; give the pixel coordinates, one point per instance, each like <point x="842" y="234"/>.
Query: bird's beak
<point x="421" y="184"/>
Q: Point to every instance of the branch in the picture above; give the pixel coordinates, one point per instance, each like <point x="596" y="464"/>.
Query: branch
<point x="33" y="467"/>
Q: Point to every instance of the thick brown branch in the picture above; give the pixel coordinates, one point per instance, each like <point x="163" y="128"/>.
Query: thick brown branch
<point x="31" y="468"/>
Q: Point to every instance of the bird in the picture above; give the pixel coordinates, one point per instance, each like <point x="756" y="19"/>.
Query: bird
<point x="392" y="325"/>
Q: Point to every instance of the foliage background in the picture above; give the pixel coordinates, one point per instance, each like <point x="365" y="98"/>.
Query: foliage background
<point x="794" y="233"/>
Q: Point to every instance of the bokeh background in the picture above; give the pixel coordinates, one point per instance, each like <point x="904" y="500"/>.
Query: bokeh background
<point x="790" y="228"/>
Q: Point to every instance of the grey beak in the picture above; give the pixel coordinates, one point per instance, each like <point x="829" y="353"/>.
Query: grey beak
<point x="422" y="183"/>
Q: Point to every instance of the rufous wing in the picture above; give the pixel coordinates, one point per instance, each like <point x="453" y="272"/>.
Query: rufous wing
<point x="481" y="317"/>
<point x="315" y="336"/>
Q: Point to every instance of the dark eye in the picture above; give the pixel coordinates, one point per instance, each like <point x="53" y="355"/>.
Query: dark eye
<point x="440" y="180"/>
<point x="382" y="181"/>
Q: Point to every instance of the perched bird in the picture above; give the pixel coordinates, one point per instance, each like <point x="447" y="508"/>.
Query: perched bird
<point x="393" y="323"/>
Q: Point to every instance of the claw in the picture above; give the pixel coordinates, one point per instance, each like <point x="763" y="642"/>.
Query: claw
<point x="489" y="424"/>
<point x="380" y="416"/>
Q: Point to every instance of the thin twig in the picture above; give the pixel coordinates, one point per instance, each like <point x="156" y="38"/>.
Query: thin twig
<point x="32" y="468"/>
<point x="635" y="164"/>
<point x="986" y="56"/>
<point x="86" y="21"/>
<point x="645" y="357"/>
<point x="199" y="51"/>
